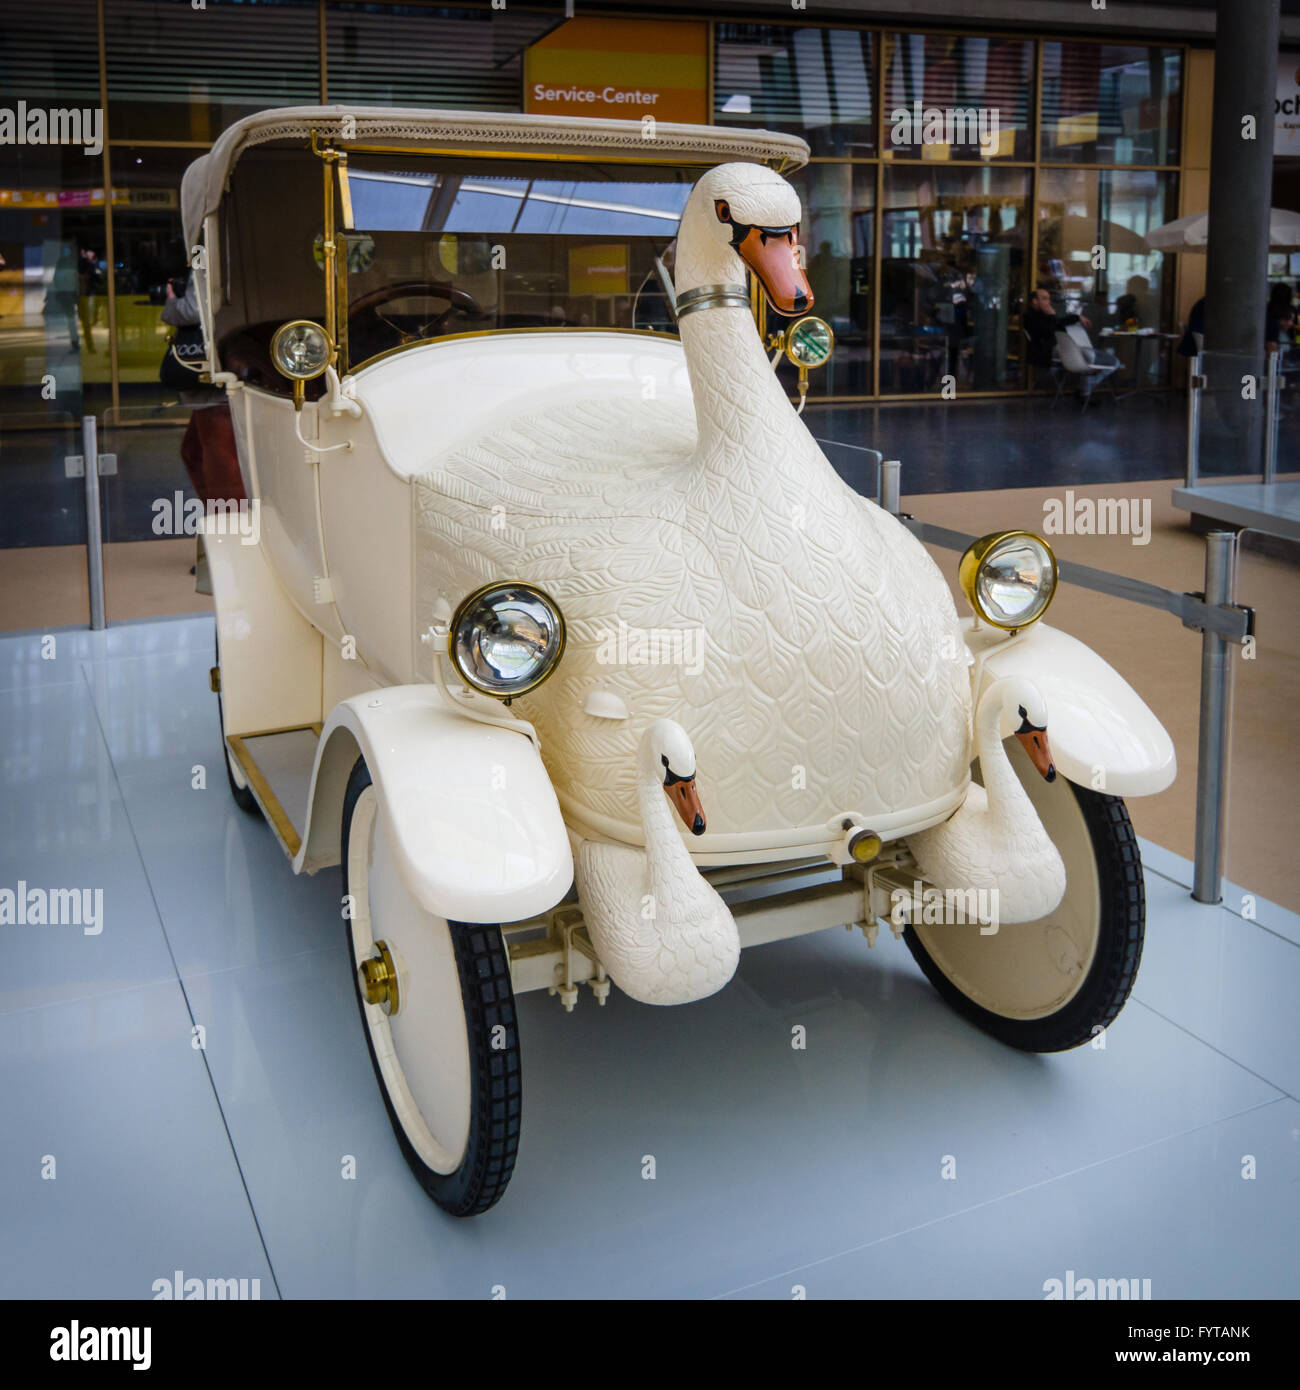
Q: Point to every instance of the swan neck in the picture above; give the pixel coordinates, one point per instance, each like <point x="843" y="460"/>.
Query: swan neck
<point x="737" y="394"/>
<point x="666" y="855"/>
<point x="1000" y="780"/>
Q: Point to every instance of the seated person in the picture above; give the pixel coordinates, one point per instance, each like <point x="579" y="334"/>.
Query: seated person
<point x="1041" y="323"/>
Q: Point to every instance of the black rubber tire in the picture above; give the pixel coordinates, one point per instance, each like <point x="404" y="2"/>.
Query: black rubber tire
<point x="244" y="797"/>
<point x="496" y="1095"/>
<point x="1119" y="948"/>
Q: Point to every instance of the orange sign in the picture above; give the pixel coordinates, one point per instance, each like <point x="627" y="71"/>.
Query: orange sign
<point x="621" y="68"/>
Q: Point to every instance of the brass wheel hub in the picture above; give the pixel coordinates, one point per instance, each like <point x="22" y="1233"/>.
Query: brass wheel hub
<point x="379" y="979"/>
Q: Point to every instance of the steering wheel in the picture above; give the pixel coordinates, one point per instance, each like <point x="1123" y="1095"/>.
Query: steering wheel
<point x="458" y="302"/>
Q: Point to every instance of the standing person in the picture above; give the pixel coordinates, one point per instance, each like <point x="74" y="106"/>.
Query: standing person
<point x="1278" y="316"/>
<point x="208" y="448"/>
<point x="1193" y="340"/>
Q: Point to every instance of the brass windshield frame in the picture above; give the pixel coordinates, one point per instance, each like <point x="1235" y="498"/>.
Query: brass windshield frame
<point x="336" y="269"/>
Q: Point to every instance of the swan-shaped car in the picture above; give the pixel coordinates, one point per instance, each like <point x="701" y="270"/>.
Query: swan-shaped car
<point x="560" y="633"/>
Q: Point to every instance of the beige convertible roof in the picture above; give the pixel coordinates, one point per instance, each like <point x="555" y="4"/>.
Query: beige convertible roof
<point x="206" y="179"/>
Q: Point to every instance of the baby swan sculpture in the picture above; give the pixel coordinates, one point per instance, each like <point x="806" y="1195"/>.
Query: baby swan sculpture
<point x="996" y="840"/>
<point x="660" y="929"/>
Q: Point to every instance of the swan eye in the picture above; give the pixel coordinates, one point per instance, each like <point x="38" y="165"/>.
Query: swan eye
<point x="723" y="211"/>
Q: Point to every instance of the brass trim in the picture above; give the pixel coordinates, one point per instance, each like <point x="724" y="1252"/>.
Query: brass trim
<point x="788" y="339"/>
<point x="345" y="194"/>
<point x="378" y="977"/>
<point x="297" y="323"/>
<point x="968" y="568"/>
<point x="262" y="791"/>
<point x="261" y="788"/>
<point x="463" y="606"/>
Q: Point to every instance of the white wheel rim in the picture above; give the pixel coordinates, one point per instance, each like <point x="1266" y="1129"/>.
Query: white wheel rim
<point x="1029" y="970"/>
<point x="423" y="1050"/>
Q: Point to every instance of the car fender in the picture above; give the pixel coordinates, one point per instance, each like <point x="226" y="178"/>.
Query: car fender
<point x="477" y="831"/>
<point x="1101" y="732"/>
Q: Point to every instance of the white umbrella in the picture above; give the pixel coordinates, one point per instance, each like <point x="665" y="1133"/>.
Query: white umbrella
<point x="1192" y="233"/>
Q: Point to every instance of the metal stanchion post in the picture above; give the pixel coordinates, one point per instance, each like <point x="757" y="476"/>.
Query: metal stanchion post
<point x="1195" y="382"/>
<point x="1271" y="419"/>
<point x="1212" y="743"/>
<point x="889" y="486"/>
<point x="94" y="529"/>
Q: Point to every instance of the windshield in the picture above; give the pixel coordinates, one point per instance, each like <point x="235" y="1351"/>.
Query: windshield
<point x="450" y="246"/>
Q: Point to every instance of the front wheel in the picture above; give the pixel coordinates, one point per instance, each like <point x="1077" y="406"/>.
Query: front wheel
<point x="438" y="1012"/>
<point x="1053" y="984"/>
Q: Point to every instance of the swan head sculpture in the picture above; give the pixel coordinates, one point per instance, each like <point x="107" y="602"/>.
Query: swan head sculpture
<point x="668" y="756"/>
<point x="1023" y="701"/>
<point x="738" y="216"/>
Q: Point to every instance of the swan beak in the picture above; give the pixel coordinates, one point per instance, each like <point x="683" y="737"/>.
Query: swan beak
<point x="772" y="253"/>
<point x="686" y="800"/>
<point x="1034" y="742"/>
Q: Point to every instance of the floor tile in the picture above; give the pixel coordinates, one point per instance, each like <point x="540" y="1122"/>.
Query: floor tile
<point x="1226" y="980"/>
<point x="144" y="1180"/>
<point x="1180" y="1213"/>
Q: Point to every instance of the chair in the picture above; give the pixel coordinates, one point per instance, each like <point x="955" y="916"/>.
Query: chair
<point x="1076" y="364"/>
<point x="1054" y="368"/>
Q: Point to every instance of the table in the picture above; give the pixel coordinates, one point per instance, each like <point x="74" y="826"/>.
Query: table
<point x="1138" y="339"/>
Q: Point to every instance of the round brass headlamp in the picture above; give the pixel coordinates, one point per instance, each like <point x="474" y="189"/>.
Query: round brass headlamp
<point x="301" y="349"/>
<point x="505" y="639"/>
<point x="809" y="342"/>
<point x="1009" y="578"/>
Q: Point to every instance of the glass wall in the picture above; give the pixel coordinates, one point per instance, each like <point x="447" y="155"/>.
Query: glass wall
<point x="817" y="83"/>
<point x="950" y="172"/>
<point x="1111" y="104"/>
<point x="998" y="164"/>
<point x="929" y="76"/>
<point x="1093" y="257"/>
<point x="952" y="265"/>
<point x="54" y="338"/>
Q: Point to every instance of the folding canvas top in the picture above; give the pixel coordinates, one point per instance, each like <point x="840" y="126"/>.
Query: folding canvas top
<point x="416" y="128"/>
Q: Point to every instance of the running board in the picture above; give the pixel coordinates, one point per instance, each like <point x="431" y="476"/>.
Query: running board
<point x="277" y="765"/>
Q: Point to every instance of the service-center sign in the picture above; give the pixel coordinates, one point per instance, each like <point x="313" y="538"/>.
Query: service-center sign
<point x="1286" y="119"/>
<point x="620" y="68"/>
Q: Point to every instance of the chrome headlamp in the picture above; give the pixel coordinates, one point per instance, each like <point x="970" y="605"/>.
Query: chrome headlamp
<point x="1009" y="578"/>
<point x="506" y="639"/>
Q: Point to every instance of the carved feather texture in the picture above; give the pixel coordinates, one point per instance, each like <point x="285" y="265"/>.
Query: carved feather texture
<point x="833" y="673"/>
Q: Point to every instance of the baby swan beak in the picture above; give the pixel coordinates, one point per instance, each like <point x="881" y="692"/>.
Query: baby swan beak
<point x="1034" y="741"/>
<point x="685" y="796"/>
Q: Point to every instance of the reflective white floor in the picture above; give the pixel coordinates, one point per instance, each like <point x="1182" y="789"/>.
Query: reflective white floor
<point x="774" y="1168"/>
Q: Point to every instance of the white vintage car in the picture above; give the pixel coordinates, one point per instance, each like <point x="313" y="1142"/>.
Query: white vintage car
<point x="563" y="637"/>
